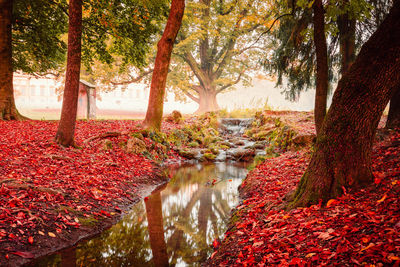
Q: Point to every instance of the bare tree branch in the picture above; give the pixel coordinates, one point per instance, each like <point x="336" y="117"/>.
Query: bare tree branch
<point x="231" y="83"/>
<point x="195" y="99"/>
<point x="134" y="79"/>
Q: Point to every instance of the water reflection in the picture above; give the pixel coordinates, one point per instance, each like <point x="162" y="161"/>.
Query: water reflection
<point x="173" y="227"/>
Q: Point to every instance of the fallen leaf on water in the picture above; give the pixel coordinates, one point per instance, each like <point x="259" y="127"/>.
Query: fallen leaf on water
<point x="40" y="233"/>
<point x="30" y="240"/>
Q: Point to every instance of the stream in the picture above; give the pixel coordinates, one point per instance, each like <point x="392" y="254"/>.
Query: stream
<point x="173" y="226"/>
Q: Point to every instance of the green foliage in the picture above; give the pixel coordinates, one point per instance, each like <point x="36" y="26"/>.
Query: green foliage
<point x="258" y="159"/>
<point x="121" y="27"/>
<point x="219" y="44"/>
<point x="37" y="30"/>
<point x="293" y="59"/>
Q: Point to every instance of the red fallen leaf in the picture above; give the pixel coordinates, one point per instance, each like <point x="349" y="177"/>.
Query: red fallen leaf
<point x="331" y="202"/>
<point x="382" y="199"/>
<point x="24" y="254"/>
<point x="146" y="198"/>
<point x="7" y="257"/>
<point x="295" y="261"/>
<point x="212" y="255"/>
<point x="216" y="243"/>
<point x="30" y="240"/>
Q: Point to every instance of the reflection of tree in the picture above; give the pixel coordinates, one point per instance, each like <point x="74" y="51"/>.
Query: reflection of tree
<point x="125" y="244"/>
<point x="156" y="230"/>
<point x="68" y="257"/>
<point x="192" y="224"/>
<point x="180" y="223"/>
<point x="204" y="213"/>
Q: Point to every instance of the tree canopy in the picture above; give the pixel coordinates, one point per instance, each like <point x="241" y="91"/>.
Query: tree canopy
<point x="218" y="46"/>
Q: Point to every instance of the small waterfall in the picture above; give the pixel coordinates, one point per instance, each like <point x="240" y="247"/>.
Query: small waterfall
<point x="235" y="127"/>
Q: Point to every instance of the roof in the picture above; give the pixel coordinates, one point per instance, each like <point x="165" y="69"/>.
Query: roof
<point x="88" y="84"/>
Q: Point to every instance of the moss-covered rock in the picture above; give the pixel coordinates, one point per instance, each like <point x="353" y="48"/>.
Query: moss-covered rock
<point x="175" y="117"/>
<point x="209" y="156"/>
<point x="194" y="144"/>
<point x="135" y="145"/>
<point x="107" y="145"/>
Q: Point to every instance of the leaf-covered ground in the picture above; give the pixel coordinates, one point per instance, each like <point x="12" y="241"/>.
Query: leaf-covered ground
<point x="50" y="195"/>
<point x="359" y="228"/>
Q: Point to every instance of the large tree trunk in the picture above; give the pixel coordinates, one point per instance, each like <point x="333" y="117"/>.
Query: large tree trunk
<point x="158" y="82"/>
<point x="66" y="127"/>
<point x="393" y="120"/>
<point x="207" y="101"/>
<point x="321" y="92"/>
<point x="342" y="158"/>
<point x="8" y="111"/>
<point x="156" y="230"/>
<point x="347" y="39"/>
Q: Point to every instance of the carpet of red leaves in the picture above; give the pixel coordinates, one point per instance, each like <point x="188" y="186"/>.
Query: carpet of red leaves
<point x="359" y="228"/>
<point x="48" y="193"/>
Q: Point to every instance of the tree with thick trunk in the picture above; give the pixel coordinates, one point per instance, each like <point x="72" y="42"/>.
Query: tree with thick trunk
<point x="321" y="90"/>
<point x="66" y="127"/>
<point x="219" y="45"/>
<point x="342" y="157"/>
<point x="159" y="80"/>
<point x="8" y="111"/>
<point x="393" y="120"/>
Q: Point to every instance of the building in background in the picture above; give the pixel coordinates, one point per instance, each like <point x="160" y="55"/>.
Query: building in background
<point x="86" y="101"/>
<point x="41" y="98"/>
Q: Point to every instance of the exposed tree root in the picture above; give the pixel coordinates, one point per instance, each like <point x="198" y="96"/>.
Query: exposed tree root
<point x="102" y="136"/>
<point x="12" y="185"/>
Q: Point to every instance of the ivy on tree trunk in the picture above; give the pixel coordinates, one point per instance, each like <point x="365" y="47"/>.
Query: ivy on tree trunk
<point x="342" y="157"/>
<point x="164" y="48"/>
<point x="66" y="127"/>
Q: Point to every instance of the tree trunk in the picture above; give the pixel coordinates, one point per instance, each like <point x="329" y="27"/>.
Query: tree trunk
<point x="393" y="120"/>
<point x="8" y="111"/>
<point x="347" y="39"/>
<point x="66" y="127"/>
<point x="342" y="157"/>
<point x="158" y="82"/>
<point x="156" y="230"/>
<point x="207" y="101"/>
<point x="321" y="91"/>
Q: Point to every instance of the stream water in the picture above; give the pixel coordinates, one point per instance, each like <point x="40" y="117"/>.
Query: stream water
<point x="174" y="226"/>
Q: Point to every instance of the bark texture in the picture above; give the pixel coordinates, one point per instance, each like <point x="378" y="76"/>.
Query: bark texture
<point x="66" y="127"/>
<point x="164" y="49"/>
<point x="321" y="91"/>
<point x="8" y="111"/>
<point x="342" y="158"/>
<point x="393" y="120"/>
<point x="347" y="39"/>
